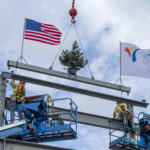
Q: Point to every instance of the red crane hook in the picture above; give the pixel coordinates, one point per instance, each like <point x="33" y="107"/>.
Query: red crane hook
<point x="73" y="12"/>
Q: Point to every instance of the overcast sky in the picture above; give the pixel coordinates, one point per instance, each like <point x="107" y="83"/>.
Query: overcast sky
<point x="101" y="25"/>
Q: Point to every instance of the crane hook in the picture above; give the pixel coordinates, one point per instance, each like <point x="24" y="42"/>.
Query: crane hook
<point x="73" y="12"/>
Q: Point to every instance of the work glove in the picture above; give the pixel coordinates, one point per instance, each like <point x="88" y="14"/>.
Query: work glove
<point x="50" y="98"/>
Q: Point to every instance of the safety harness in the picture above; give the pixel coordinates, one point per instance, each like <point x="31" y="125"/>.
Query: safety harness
<point x="127" y="116"/>
<point x="122" y="108"/>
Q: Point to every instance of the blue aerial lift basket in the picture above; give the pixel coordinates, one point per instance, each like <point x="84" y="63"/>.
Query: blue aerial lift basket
<point x="119" y="141"/>
<point x="42" y="122"/>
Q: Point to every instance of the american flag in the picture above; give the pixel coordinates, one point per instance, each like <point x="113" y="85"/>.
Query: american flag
<point x="41" y="32"/>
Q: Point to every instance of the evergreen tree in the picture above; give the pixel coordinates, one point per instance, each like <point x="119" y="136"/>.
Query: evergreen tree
<point x="73" y="58"/>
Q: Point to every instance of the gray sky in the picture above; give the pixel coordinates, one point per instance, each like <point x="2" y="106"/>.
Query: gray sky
<point x="101" y="25"/>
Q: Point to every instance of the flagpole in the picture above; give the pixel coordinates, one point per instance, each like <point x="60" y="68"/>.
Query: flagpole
<point x="120" y="62"/>
<point x="23" y="41"/>
<point x="121" y="83"/>
<point x="120" y="67"/>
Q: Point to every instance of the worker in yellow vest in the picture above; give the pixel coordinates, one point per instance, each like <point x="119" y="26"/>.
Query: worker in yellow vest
<point x="16" y="98"/>
<point x="120" y="110"/>
<point x="126" y="117"/>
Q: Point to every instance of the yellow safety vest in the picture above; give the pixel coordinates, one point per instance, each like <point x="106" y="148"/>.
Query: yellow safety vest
<point x="120" y="109"/>
<point x="21" y="91"/>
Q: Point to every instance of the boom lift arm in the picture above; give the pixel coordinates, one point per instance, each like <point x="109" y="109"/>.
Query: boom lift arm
<point x="39" y="124"/>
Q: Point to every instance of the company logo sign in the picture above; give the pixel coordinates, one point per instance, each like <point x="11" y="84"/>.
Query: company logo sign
<point x="132" y="52"/>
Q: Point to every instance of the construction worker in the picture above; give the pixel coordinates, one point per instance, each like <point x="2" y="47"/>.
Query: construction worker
<point x="126" y="117"/>
<point x="16" y="98"/>
<point x="120" y="110"/>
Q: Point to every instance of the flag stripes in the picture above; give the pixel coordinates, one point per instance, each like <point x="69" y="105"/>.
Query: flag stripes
<point x="40" y="32"/>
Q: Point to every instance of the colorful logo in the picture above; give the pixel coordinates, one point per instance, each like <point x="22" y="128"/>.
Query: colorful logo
<point x="132" y="52"/>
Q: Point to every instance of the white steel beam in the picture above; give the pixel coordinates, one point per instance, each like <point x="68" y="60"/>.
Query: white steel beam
<point x="74" y="89"/>
<point x="67" y="76"/>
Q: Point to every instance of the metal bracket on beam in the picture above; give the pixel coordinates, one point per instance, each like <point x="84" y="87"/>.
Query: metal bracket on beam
<point x="67" y="76"/>
<point x="75" y="89"/>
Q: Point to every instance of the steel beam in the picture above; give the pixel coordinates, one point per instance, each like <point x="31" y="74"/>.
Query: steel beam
<point x="20" y="145"/>
<point x="85" y="118"/>
<point x="67" y="76"/>
<point x="74" y="89"/>
<point x="91" y="119"/>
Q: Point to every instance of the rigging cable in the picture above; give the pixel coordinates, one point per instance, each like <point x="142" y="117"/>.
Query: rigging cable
<point x="83" y="52"/>
<point x="73" y="13"/>
<point x="60" y="47"/>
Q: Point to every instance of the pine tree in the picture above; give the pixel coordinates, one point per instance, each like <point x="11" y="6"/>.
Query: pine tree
<point x="73" y="58"/>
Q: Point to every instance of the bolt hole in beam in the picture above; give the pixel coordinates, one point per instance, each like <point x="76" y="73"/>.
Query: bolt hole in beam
<point x="74" y="89"/>
<point x="59" y="74"/>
